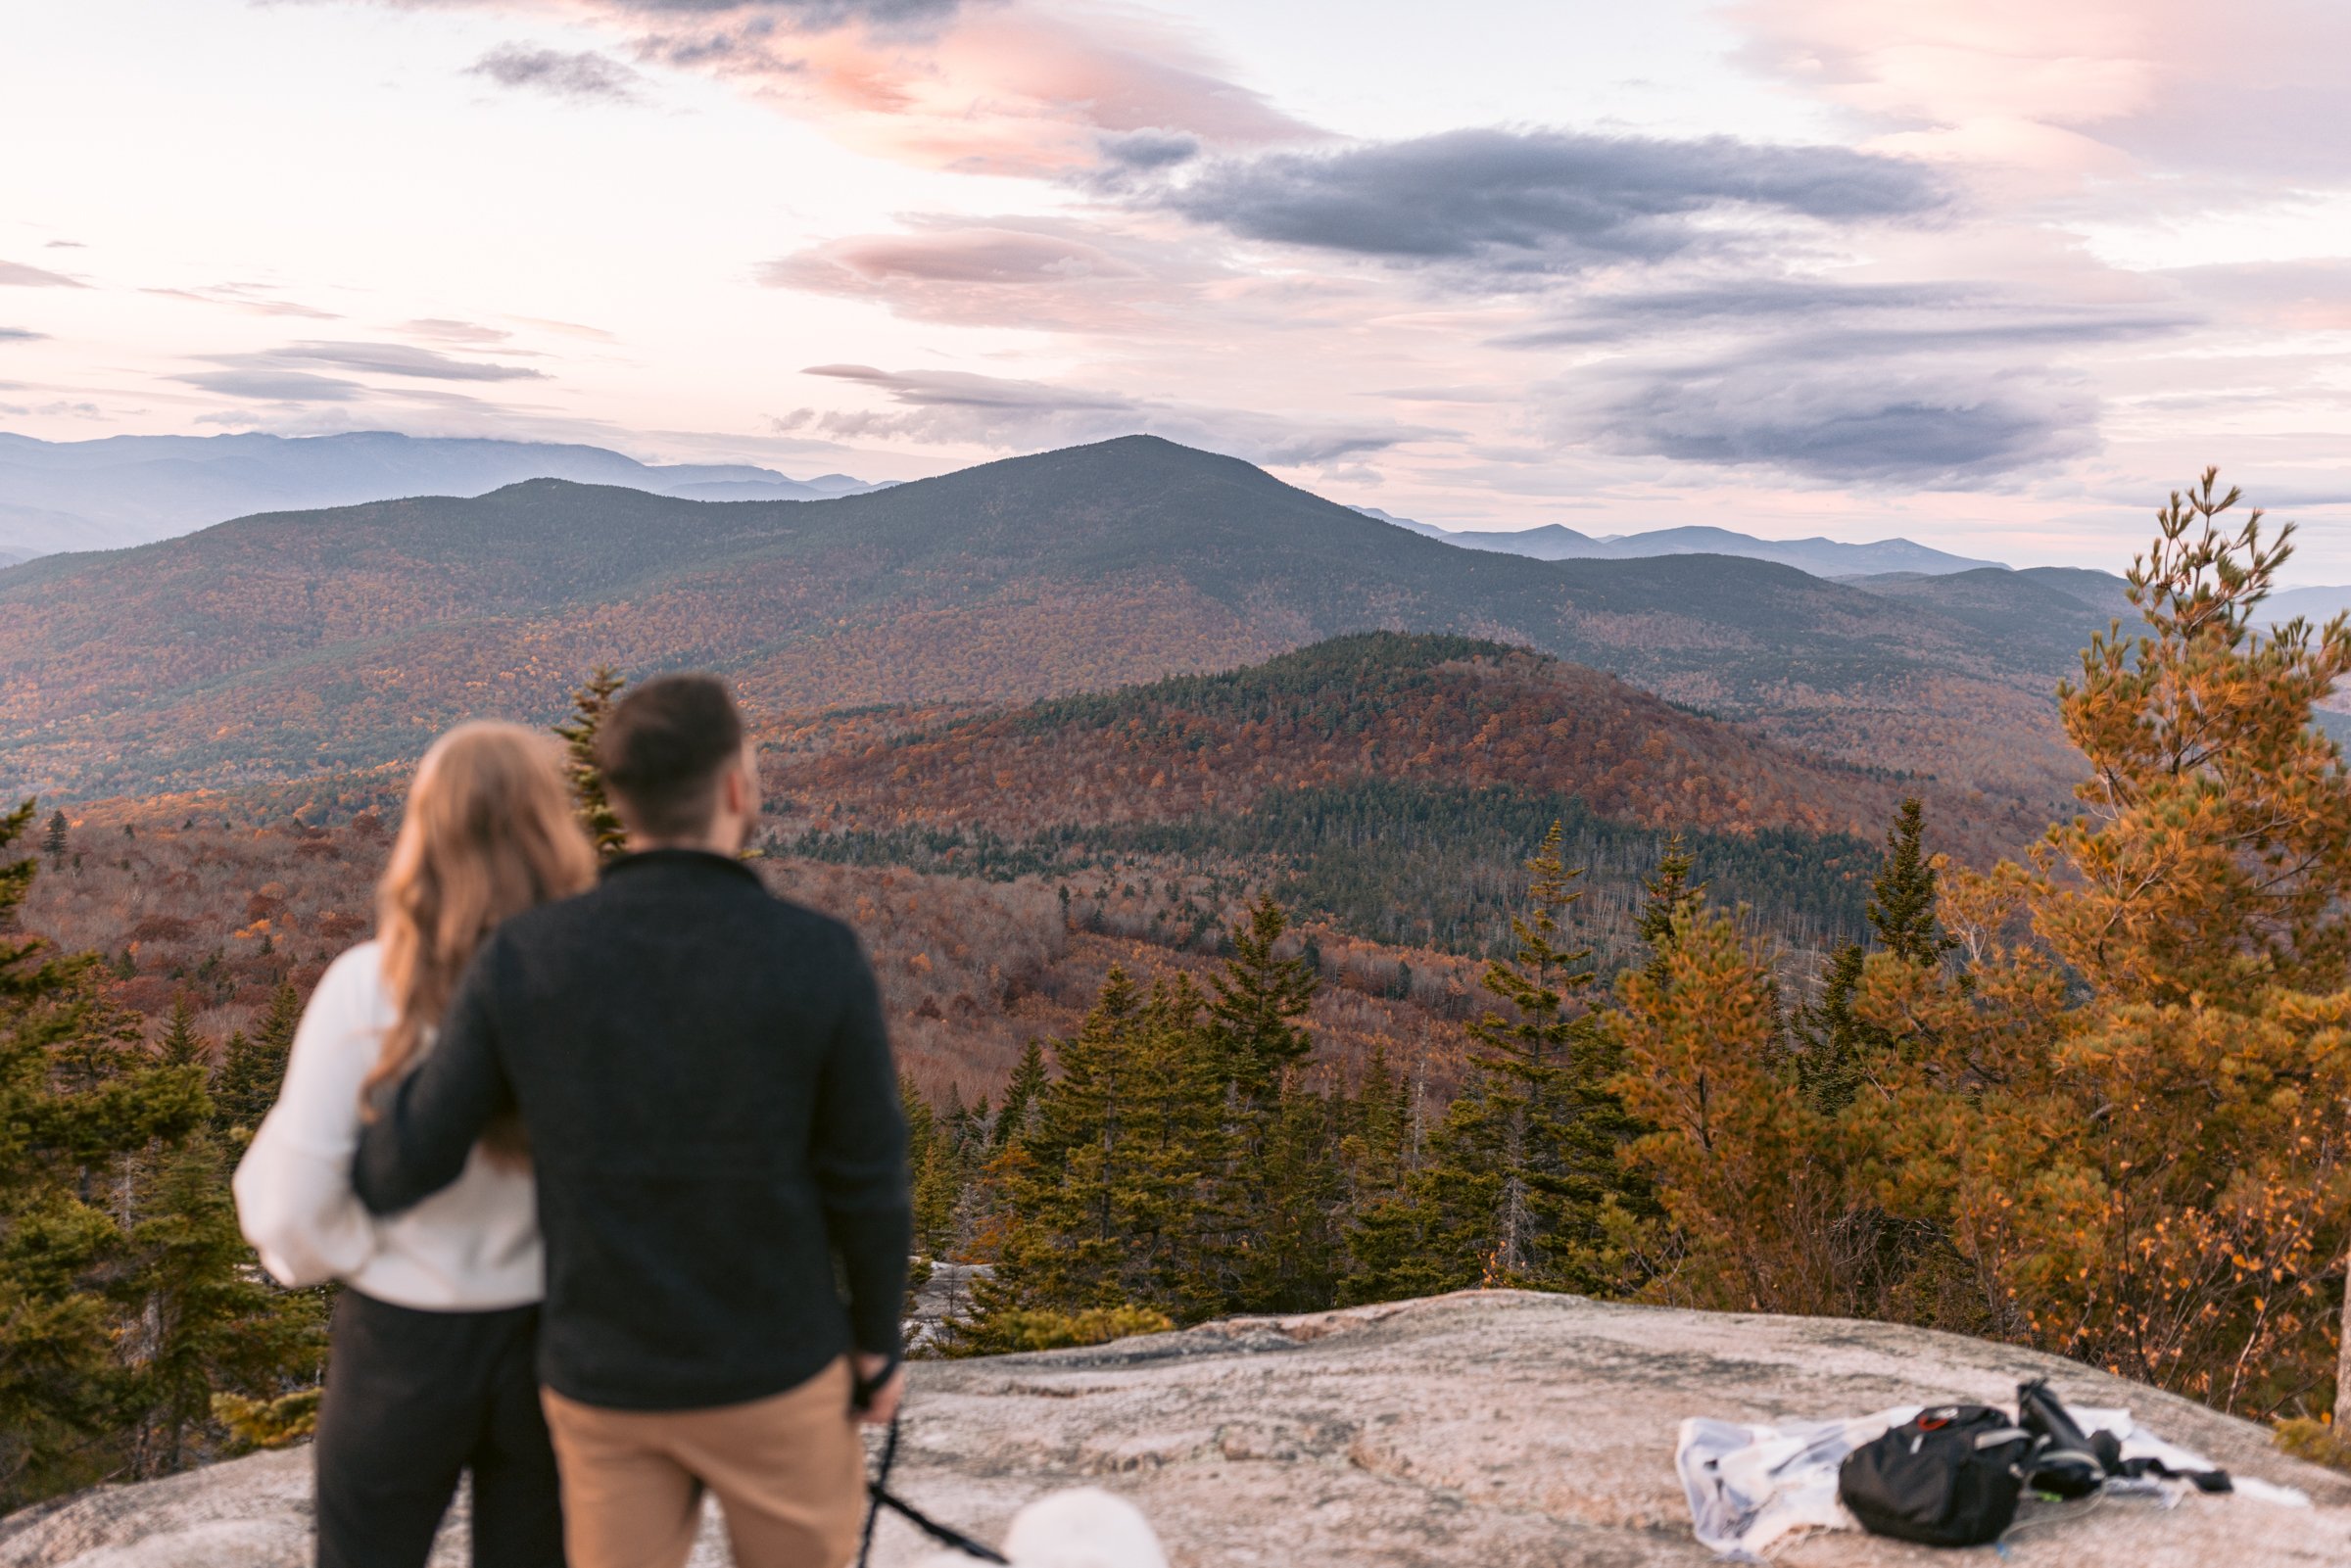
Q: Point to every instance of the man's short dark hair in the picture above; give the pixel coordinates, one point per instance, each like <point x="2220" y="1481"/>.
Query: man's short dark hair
<point x="662" y="749"/>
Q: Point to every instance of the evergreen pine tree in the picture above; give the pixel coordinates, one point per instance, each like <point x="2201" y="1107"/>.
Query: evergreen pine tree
<point x="1111" y="1193"/>
<point x="55" y="842"/>
<point x="921" y="1126"/>
<point x="1837" y="1044"/>
<point x="1901" y="902"/>
<point x="1258" y="1001"/>
<point x="1839" y="1048"/>
<point x="99" y="1144"/>
<point x="1181" y="1209"/>
<point x="1377" y="1121"/>
<point x="589" y="706"/>
<point x="1670" y="892"/>
<point x="200" y="1319"/>
<point x="1525" y="1183"/>
<point x="1061" y="1247"/>
<point x="933" y="1168"/>
<point x="253" y="1067"/>
<point x="182" y="1046"/>
<point x="1021" y="1094"/>
<point x="1289" y="1255"/>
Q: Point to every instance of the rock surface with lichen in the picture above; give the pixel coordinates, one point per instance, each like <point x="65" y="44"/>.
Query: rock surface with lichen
<point x="1490" y="1429"/>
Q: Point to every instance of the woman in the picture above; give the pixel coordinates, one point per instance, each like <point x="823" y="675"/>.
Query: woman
<point x="431" y="1370"/>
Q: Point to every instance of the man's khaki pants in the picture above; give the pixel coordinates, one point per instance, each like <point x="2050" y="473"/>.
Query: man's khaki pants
<point x="788" y="1473"/>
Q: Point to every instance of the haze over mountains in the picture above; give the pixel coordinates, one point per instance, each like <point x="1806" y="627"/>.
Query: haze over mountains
<point x="1822" y="557"/>
<point x="132" y="489"/>
<point x="285" y="644"/>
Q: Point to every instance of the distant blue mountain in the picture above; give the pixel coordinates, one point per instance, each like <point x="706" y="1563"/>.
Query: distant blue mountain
<point x="2317" y="606"/>
<point x="1822" y="557"/>
<point x="132" y="489"/>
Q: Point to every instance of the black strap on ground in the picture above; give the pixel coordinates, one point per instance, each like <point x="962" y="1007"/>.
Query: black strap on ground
<point x="878" y="1490"/>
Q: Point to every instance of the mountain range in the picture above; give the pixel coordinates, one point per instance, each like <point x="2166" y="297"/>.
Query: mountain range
<point x="132" y="489"/>
<point x="287" y="644"/>
<point x="1822" y="557"/>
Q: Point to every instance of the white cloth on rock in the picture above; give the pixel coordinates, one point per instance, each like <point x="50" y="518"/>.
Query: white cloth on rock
<point x="1752" y="1487"/>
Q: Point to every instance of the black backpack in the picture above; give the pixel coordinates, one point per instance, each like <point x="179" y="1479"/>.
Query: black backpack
<point x="1950" y="1477"/>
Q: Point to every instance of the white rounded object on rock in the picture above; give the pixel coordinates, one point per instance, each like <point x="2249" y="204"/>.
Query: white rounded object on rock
<point x="1084" y="1526"/>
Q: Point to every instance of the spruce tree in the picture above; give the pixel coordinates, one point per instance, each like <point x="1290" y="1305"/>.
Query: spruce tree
<point x="1111" y="1193"/>
<point x="1837" y="1044"/>
<point x="1839" y="1047"/>
<point x="1181" y="1209"/>
<point x="201" y="1318"/>
<point x="589" y="706"/>
<point x="1526" y="1182"/>
<point x="1020" y="1095"/>
<point x="102" y="1140"/>
<point x="55" y="841"/>
<point x="1289" y="1255"/>
<point x="1259" y="999"/>
<point x="1901" y="902"/>
<point x="182" y="1046"/>
<point x="937" y="1190"/>
<point x="1061" y="1249"/>
<point x="1377" y="1121"/>
<point x="1670" y="892"/>
<point x="253" y="1068"/>
<point x="921" y="1126"/>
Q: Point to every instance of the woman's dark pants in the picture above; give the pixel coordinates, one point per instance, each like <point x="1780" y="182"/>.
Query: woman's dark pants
<point x="413" y="1400"/>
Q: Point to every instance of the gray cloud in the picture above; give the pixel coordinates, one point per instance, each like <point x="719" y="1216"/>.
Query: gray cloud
<point x="1770" y="302"/>
<point x="1945" y="384"/>
<point x="381" y="358"/>
<point x="1149" y="149"/>
<point x="1955" y="424"/>
<point x="1816" y="319"/>
<point x="20" y="335"/>
<point x="33" y="277"/>
<point x="585" y="74"/>
<point x="1538" y="202"/>
<point x="275" y="386"/>
<point x="955" y="406"/>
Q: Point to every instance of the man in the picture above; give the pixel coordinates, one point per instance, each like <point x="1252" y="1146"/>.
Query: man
<point x="714" y="1123"/>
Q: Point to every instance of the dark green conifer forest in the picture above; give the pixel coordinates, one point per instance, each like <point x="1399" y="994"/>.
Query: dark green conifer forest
<point x="128" y="1299"/>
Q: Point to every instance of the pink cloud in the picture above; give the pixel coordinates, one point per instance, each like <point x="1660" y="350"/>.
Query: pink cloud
<point x="1038" y="273"/>
<point x="1027" y="90"/>
<point x="2178" y="84"/>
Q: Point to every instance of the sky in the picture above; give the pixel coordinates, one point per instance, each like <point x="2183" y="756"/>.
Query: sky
<point x="1992" y="275"/>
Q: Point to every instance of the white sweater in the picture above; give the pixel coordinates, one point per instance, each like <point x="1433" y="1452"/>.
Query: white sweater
<point x="472" y="1247"/>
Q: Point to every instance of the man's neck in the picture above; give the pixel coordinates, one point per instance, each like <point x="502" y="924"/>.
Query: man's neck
<point x="709" y="846"/>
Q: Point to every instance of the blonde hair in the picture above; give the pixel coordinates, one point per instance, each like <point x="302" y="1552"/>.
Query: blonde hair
<point x="489" y="830"/>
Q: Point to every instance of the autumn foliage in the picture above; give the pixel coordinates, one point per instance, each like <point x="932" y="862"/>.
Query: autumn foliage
<point x="2104" y="1111"/>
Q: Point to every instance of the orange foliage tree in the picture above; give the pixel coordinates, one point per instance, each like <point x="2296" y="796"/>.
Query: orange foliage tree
<point x="2112" y="1122"/>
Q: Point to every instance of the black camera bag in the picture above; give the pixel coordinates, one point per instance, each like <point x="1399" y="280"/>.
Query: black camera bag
<point x="1950" y="1477"/>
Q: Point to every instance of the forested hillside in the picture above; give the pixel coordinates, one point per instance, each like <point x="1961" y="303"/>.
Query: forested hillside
<point x="1393" y="964"/>
<point x="283" y="645"/>
<point x="1431" y="708"/>
<point x="1387" y="783"/>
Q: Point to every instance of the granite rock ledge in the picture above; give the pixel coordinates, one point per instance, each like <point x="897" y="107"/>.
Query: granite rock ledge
<point x="1489" y="1429"/>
